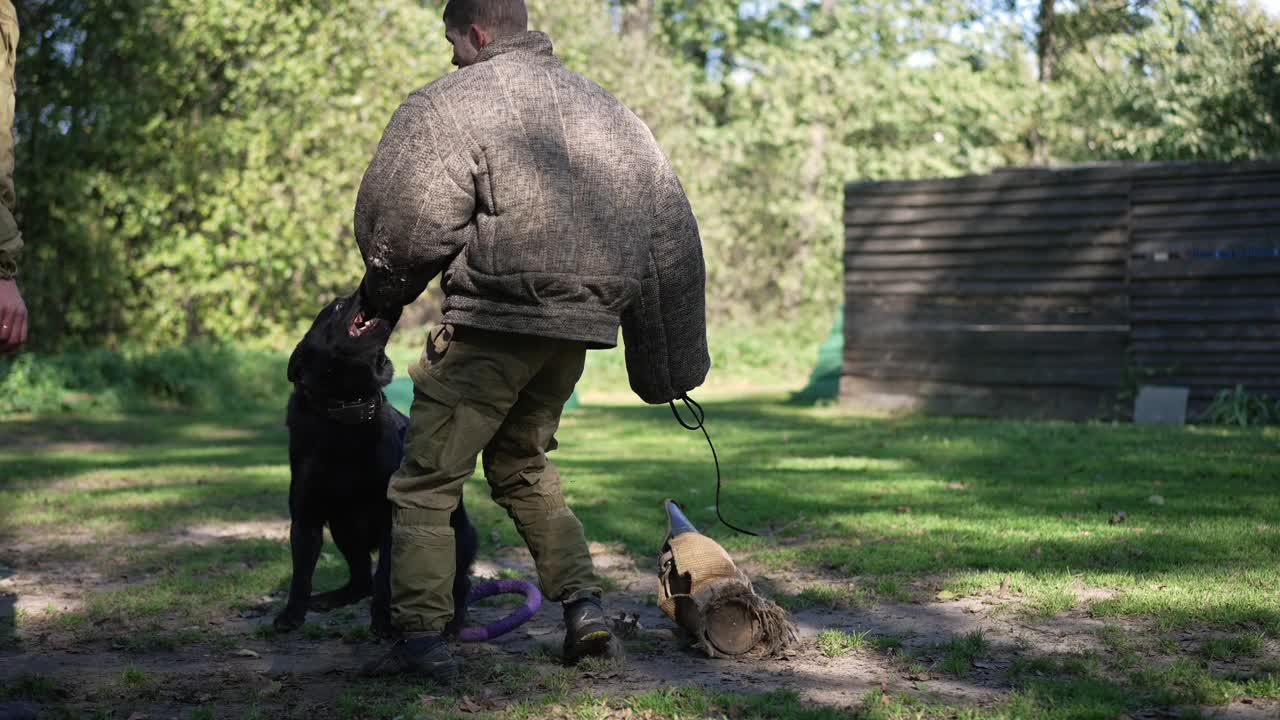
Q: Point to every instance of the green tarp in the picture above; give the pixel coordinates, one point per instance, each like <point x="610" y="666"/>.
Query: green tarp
<point x="824" y="381"/>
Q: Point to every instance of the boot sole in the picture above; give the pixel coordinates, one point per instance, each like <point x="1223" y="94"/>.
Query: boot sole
<point x="593" y="644"/>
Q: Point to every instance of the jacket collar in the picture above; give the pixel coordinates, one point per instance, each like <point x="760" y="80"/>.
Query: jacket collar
<point x="531" y="43"/>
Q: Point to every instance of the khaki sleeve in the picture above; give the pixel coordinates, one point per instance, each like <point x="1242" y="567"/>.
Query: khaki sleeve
<point x="10" y="237"/>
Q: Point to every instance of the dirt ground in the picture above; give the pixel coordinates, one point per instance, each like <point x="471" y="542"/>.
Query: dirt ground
<point x="291" y="676"/>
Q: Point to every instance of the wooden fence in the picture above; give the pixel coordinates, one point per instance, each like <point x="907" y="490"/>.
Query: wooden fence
<point x="1050" y="293"/>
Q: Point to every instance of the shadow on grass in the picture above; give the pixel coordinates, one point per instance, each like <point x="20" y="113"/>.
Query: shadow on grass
<point x="835" y="495"/>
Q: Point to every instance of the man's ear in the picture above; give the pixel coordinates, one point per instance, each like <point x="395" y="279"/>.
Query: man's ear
<point x="479" y="36"/>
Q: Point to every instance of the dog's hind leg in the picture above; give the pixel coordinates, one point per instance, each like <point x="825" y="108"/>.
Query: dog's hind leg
<point x="352" y="536"/>
<point x="380" y="621"/>
<point x="305" y="541"/>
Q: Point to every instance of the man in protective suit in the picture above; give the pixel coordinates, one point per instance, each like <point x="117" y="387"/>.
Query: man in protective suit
<point x="554" y="218"/>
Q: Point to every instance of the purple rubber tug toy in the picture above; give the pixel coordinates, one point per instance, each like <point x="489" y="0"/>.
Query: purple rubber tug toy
<point x="521" y="615"/>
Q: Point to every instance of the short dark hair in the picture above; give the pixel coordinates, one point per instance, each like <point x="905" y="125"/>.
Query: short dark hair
<point x="501" y="17"/>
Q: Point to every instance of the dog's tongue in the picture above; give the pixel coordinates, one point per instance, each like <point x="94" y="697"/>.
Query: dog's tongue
<point x="360" y="326"/>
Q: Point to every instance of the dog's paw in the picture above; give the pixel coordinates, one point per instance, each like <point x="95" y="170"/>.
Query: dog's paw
<point x="289" y="620"/>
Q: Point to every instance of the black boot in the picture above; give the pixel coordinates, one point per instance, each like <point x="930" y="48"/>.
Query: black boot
<point x="427" y="657"/>
<point x="587" y="633"/>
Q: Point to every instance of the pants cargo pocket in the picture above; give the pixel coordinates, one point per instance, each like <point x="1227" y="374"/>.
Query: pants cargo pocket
<point x="434" y="454"/>
<point x="422" y="570"/>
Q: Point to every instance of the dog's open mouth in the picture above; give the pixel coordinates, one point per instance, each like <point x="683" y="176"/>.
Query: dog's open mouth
<point x="360" y="325"/>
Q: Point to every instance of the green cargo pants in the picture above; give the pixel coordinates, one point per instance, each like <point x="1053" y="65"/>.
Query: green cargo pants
<point x="502" y="394"/>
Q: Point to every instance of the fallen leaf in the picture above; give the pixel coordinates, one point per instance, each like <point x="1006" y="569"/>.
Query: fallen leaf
<point x="467" y="705"/>
<point x="1004" y="584"/>
<point x="945" y="595"/>
<point x="245" y="653"/>
<point x="1157" y="483"/>
<point x="904" y="508"/>
<point x="1156" y="499"/>
<point x="1118" y="518"/>
<point x="955" y="486"/>
<point x="1037" y="552"/>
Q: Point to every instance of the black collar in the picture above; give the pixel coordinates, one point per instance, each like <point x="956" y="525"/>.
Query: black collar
<point x="347" y="412"/>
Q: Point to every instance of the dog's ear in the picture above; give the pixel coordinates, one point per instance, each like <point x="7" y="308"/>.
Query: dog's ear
<point x="384" y="371"/>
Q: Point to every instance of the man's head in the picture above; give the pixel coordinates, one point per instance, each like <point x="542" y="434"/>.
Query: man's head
<point x="470" y="25"/>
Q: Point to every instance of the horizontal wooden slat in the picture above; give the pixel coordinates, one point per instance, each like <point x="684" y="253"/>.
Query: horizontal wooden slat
<point x="905" y="309"/>
<point x="1204" y="221"/>
<point x="855" y="242"/>
<point x="1107" y="207"/>
<point x="1064" y="287"/>
<point x="1002" y="181"/>
<point x="1115" y="272"/>
<point x="1202" y="207"/>
<point x="1266" y="373"/>
<point x="1156" y="347"/>
<point x="1188" y="249"/>
<point x="1160" y="357"/>
<point x="984" y="339"/>
<point x="1209" y="315"/>
<point x="1215" y="331"/>
<point x="983" y="374"/>
<point x="998" y="197"/>
<point x="1207" y="303"/>
<point x="1203" y="287"/>
<point x="870" y="355"/>
<point x="1194" y="269"/>
<point x="996" y="226"/>
<point x="1157" y="193"/>
<point x="1055" y="258"/>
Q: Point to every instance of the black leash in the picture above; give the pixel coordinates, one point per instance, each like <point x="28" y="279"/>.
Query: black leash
<point x="699" y="423"/>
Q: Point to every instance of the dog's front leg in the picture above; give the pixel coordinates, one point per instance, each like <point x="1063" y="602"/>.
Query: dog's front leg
<point x="305" y="541"/>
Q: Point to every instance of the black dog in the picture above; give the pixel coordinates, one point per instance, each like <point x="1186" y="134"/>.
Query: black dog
<point x="345" y="441"/>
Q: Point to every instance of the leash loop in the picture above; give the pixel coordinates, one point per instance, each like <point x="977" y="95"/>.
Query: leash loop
<point x="699" y="423"/>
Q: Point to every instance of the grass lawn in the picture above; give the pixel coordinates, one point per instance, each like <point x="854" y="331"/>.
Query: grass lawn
<point x="1157" y="551"/>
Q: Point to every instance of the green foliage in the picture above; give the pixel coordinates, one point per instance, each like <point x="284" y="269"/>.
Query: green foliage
<point x="201" y="376"/>
<point x="187" y="170"/>
<point x="1238" y="406"/>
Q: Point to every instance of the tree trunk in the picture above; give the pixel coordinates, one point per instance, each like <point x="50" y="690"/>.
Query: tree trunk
<point x="1046" y="52"/>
